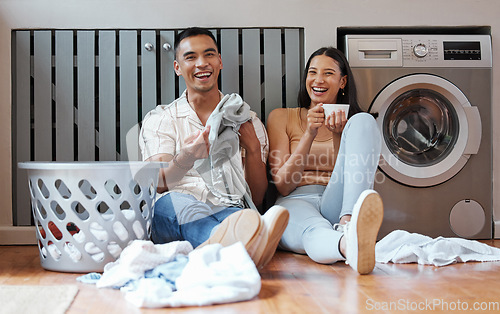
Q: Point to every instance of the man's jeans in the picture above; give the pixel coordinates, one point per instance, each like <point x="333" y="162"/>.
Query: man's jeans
<point x="179" y="217"/>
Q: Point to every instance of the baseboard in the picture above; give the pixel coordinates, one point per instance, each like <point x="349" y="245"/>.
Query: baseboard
<point x="496" y="229"/>
<point x="11" y="235"/>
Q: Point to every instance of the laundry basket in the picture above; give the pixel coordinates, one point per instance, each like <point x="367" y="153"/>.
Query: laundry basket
<point x="86" y="213"/>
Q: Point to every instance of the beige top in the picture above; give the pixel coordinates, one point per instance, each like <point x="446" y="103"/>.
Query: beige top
<point x="323" y="153"/>
<point x="164" y="130"/>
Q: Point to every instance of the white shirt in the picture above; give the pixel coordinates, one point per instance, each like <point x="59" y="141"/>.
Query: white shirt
<point x="164" y="131"/>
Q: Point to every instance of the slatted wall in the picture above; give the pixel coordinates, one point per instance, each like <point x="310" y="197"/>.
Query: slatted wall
<point x="78" y="95"/>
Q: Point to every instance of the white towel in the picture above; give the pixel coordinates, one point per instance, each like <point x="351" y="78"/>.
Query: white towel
<point x="213" y="275"/>
<point x="403" y="247"/>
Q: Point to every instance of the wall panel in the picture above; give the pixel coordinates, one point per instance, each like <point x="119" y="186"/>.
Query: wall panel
<point x="80" y="95"/>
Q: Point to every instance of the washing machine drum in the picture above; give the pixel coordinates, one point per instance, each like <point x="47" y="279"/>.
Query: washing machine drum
<point x="429" y="128"/>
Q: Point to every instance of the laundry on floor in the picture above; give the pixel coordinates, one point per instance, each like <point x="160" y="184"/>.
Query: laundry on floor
<point x="174" y="275"/>
<point x="401" y="246"/>
<point x="139" y="257"/>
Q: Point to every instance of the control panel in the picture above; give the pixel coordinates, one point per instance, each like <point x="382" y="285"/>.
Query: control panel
<point x="419" y="50"/>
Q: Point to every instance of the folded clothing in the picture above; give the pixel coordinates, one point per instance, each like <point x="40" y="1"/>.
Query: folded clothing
<point x="400" y="246"/>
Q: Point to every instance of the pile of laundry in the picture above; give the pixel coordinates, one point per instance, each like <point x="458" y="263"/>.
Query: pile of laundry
<point x="174" y="275"/>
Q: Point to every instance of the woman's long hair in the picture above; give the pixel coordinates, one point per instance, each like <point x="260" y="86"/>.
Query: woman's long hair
<point x="346" y="96"/>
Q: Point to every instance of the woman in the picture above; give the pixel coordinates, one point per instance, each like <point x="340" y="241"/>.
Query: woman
<point x="324" y="167"/>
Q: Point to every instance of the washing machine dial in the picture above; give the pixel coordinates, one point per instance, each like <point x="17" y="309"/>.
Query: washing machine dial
<point x="420" y="50"/>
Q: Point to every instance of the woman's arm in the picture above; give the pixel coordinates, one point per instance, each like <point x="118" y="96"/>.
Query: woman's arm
<point x="287" y="168"/>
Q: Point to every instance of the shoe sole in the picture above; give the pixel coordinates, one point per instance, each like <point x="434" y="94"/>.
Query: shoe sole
<point x="277" y="225"/>
<point x="244" y="225"/>
<point x="369" y="221"/>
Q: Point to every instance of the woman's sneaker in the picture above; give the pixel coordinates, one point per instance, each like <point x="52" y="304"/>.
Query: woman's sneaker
<point x="361" y="232"/>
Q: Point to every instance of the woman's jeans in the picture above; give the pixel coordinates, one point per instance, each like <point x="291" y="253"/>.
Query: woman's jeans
<point x="179" y="217"/>
<point x="314" y="209"/>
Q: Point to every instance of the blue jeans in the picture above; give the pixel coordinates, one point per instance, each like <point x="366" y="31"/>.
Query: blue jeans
<point x="314" y="209"/>
<point x="179" y="217"/>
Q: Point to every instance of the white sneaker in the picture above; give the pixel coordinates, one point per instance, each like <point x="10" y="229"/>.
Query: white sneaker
<point x="361" y="232"/>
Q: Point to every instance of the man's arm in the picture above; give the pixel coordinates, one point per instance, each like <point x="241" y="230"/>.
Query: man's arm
<point x="196" y="148"/>
<point x="255" y="168"/>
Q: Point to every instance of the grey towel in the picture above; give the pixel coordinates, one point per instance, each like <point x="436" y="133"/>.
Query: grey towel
<point x="222" y="170"/>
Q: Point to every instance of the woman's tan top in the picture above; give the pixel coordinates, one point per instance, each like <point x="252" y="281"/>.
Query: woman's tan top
<point x="323" y="153"/>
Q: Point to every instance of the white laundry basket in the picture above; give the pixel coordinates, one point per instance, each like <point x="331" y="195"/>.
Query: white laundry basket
<point x="86" y="213"/>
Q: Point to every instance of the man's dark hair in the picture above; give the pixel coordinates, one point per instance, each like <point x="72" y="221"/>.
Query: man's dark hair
<point x="189" y="32"/>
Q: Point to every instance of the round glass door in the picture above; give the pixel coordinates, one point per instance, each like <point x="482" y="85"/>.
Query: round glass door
<point x="420" y="127"/>
<point x="429" y="129"/>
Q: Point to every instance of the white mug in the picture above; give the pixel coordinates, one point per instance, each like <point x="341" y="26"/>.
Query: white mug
<point x="329" y="108"/>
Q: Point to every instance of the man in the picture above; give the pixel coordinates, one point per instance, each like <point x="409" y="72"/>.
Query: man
<point x="191" y="208"/>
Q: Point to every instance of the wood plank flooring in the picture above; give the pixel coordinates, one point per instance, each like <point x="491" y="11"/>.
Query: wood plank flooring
<point x="294" y="284"/>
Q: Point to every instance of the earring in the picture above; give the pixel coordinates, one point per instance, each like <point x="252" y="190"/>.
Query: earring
<point x="343" y="92"/>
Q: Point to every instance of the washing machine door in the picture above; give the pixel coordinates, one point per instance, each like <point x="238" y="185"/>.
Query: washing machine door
<point x="429" y="128"/>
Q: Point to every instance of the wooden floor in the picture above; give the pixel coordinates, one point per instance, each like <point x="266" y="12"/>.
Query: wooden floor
<point x="294" y="284"/>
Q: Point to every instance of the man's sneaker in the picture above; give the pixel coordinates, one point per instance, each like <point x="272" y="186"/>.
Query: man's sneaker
<point x="275" y="221"/>
<point x="244" y="225"/>
<point x="361" y="232"/>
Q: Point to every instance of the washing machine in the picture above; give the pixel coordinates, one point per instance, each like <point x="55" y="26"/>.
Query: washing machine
<point x="432" y="94"/>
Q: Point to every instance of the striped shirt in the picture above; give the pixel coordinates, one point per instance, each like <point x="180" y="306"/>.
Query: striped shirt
<point x="164" y="131"/>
